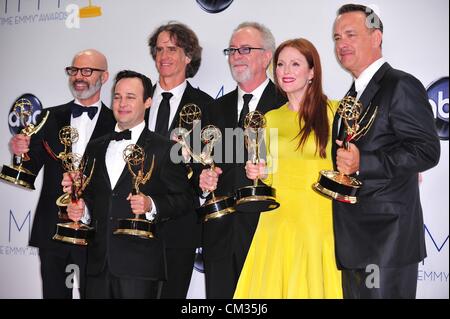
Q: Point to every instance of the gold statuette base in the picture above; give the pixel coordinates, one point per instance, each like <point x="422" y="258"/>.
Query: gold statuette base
<point x="73" y="233"/>
<point x="18" y="175"/>
<point x="272" y="203"/>
<point x="338" y="186"/>
<point x="135" y="227"/>
<point x="219" y="214"/>
<point x="216" y="208"/>
<point x="69" y="240"/>
<point x="134" y="232"/>
<point x="335" y="195"/>
<point x="255" y="199"/>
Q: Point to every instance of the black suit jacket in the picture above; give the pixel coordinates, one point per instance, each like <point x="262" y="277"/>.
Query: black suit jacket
<point x="168" y="187"/>
<point x="185" y="232"/>
<point x="222" y="235"/>
<point x="386" y="226"/>
<point x="46" y="216"/>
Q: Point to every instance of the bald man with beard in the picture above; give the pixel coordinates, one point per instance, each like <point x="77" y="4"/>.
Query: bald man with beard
<point x="92" y="119"/>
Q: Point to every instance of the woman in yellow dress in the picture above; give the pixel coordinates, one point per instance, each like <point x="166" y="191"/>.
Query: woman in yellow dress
<point x="292" y="252"/>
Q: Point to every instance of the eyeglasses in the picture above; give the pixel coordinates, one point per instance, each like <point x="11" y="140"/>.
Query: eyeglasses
<point x="72" y="71"/>
<point x="243" y="50"/>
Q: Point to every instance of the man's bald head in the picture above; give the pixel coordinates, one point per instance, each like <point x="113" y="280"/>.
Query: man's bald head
<point x="97" y="58"/>
<point x="86" y="87"/>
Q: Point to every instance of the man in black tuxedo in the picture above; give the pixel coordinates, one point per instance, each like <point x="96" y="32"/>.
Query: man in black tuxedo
<point x="91" y="118"/>
<point x="226" y="240"/>
<point x="177" y="55"/>
<point x="125" y="266"/>
<point x="380" y="240"/>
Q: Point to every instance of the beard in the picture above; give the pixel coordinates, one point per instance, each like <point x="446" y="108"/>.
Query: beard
<point x="87" y="93"/>
<point x="242" y="76"/>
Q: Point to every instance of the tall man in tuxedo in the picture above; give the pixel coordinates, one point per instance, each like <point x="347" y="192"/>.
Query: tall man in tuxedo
<point x="91" y="118"/>
<point x="177" y="54"/>
<point x="226" y="240"/>
<point x="384" y="231"/>
<point x="125" y="266"/>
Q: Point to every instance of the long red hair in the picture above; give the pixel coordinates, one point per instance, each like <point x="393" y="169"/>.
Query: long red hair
<point x="313" y="108"/>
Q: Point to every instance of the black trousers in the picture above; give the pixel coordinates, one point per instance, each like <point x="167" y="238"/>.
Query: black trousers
<point x="222" y="275"/>
<point x="180" y="263"/>
<point x="108" y="286"/>
<point x="58" y="266"/>
<point x="391" y="283"/>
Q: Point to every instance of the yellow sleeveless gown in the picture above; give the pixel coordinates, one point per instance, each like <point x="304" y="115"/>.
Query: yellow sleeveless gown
<point x="292" y="252"/>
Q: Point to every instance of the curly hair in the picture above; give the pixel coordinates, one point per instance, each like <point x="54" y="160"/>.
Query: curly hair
<point x="184" y="38"/>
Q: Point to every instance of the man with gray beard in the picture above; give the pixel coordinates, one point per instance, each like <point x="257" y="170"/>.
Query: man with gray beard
<point x="226" y="240"/>
<point x="92" y="119"/>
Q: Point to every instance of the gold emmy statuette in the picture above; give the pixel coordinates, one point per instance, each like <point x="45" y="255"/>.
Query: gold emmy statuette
<point x="134" y="156"/>
<point x="335" y="184"/>
<point x="17" y="174"/>
<point x="217" y="206"/>
<point x="90" y="11"/>
<point x="67" y="136"/>
<point x="190" y="114"/>
<point x="74" y="232"/>
<point x="259" y="197"/>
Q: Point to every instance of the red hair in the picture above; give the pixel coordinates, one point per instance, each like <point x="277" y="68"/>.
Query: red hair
<point x="313" y="108"/>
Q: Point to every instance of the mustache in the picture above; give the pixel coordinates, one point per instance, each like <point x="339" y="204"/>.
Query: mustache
<point x="240" y="64"/>
<point x="80" y="82"/>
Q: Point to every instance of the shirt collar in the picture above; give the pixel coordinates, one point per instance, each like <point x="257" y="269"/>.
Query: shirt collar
<point x="97" y="104"/>
<point x="364" y="78"/>
<point x="135" y="131"/>
<point x="256" y="92"/>
<point x="176" y="91"/>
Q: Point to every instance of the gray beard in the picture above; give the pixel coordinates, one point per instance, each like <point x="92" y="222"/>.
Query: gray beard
<point x="86" y="94"/>
<point x="241" y="77"/>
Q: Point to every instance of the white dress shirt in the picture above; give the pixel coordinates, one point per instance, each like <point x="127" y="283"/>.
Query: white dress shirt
<point x="115" y="164"/>
<point x="85" y="126"/>
<point x="257" y="93"/>
<point x="364" y="78"/>
<point x="174" y="103"/>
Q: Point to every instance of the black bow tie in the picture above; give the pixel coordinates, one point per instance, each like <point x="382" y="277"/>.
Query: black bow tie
<point x="77" y="110"/>
<point x="124" y="135"/>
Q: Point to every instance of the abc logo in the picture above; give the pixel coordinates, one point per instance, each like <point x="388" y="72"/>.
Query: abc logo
<point x="438" y="98"/>
<point x="214" y="6"/>
<point x="27" y="102"/>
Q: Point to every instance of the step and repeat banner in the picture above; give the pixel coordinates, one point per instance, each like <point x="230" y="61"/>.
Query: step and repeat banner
<point x="38" y="39"/>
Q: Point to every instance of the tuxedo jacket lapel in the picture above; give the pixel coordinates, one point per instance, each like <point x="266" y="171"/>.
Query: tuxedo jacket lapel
<point x="268" y="100"/>
<point x="103" y="125"/>
<point x="373" y="86"/>
<point x="369" y="99"/>
<point x="101" y="161"/>
<point x="231" y="117"/>
<point x="62" y="118"/>
<point x="366" y="98"/>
